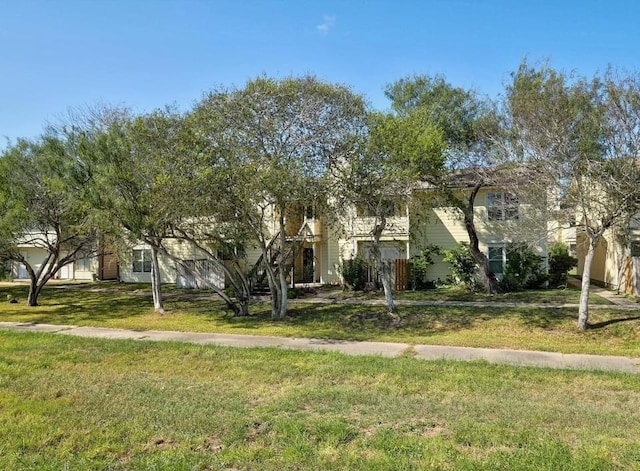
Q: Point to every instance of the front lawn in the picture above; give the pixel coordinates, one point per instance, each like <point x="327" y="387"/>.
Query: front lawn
<point x="615" y="332"/>
<point x="90" y="404"/>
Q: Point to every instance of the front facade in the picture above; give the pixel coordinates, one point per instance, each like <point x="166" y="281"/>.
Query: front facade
<point x="318" y="249"/>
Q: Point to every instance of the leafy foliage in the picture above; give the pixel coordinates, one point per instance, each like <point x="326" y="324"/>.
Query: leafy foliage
<point x="560" y="262"/>
<point x="463" y="266"/>
<point x="419" y="267"/>
<point x="353" y="273"/>
<point x="523" y="269"/>
<point x="43" y="205"/>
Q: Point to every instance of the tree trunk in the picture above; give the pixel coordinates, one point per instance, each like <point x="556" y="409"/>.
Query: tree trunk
<point x="489" y="280"/>
<point x="385" y="276"/>
<point x="384" y="265"/>
<point x="34" y="286"/>
<point x="34" y="291"/>
<point x="156" y="281"/>
<point x="282" y="275"/>
<point x="583" y="311"/>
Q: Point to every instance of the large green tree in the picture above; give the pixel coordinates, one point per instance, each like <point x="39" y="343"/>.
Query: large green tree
<point x="275" y="140"/>
<point x="376" y="182"/>
<point x="131" y="160"/>
<point x="581" y="137"/>
<point x="464" y="120"/>
<point x="42" y="205"/>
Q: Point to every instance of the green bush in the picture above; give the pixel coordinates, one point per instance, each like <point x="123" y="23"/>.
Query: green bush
<point x="353" y="273"/>
<point x="463" y="265"/>
<point x="419" y="267"/>
<point x="5" y="271"/>
<point x="560" y="262"/>
<point x="523" y="270"/>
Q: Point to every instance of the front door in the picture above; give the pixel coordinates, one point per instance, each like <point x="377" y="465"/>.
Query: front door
<point x="307" y="265"/>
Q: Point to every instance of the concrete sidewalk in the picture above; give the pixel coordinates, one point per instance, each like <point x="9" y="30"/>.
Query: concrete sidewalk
<point x="386" y="349"/>
<point x="616" y="299"/>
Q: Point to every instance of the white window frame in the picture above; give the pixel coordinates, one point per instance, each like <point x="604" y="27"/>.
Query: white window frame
<point x="502" y="206"/>
<point x="83" y="262"/>
<point x="495" y="258"/>
<point x="141" y="260"/>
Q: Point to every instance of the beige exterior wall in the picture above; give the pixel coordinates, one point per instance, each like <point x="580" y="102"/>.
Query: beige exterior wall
<point x="444" y="227"/>
<point x="35" y="257"/>
<point x="612" y="265"/>
<point x="168" y="272"/>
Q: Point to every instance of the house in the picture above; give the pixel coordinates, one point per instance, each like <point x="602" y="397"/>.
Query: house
<point x="87" y="266"/>
<point x="500" y="218"/>
<point x="317" y="248"/>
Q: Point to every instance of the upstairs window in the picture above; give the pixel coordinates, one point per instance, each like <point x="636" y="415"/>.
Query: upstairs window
<point x="308" y="212"/>
<point x="502" y="207"/>
<point x="141" y="260"/>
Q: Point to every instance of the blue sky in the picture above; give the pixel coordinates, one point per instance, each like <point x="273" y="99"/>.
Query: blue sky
<point x="61" y="54"/>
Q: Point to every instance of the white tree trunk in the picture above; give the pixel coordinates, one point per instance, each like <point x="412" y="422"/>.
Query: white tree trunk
<point x="282" y="275"/>
<point x="385" y="276"/>
<point x="583" y="311"/>
<point x="156" y="282"/>
<point x="384" y="265"/>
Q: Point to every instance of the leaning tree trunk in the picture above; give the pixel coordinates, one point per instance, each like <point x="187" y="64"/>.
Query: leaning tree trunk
<point x="583" y="311"/>
<point x="156" y="281"/>
<point x="489" y="279"/>
<point x="239" y="308"/>
<point x="37" y="282"/>
<point x="282" y="275"/>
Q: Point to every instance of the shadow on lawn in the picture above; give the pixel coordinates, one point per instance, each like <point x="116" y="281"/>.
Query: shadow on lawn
<point x="73" y="304"/>
<point x="76" y="304"/>
<point x="603" y="324"/>
<point x="357" y="322"/>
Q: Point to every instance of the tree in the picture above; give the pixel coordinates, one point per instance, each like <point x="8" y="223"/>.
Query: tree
<point x="42" y="184"/>
<point x="464" y="120"/>
<point x="142" y="168"/>
<point x="132" y="160"/>
<point x="274" y="141"/>
<point x="582" y="138"/>
<point x="375" y="182"/>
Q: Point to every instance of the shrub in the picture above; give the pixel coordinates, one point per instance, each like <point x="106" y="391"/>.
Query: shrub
<point x="560" y="262"/>
<point x="463" y="265"/>
<point x="5" y="271"/>
<point x="523" y="270"/>
<point x="419" y="266"/>
<point x="353" y="273"/>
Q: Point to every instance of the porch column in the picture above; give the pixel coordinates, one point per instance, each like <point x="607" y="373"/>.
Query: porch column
<point x="314" y="260"/>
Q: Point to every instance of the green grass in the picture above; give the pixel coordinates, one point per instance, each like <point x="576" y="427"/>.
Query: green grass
<point x="84" y="404"/>
<point x="570" y="295"/>
<point x="498" y="326"/>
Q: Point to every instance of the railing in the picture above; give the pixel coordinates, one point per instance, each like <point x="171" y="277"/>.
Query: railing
<point x="397" y="226"/>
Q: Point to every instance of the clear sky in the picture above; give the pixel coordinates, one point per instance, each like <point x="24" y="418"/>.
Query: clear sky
<point x="61" y="54"/>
